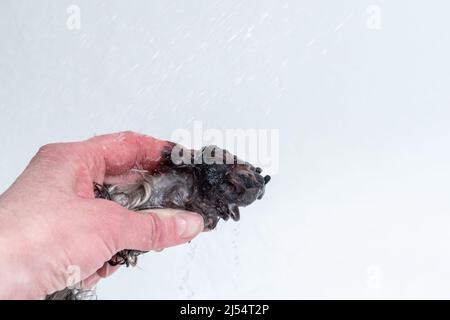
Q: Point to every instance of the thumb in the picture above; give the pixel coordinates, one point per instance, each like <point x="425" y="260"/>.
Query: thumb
<point x="158" y="228"/>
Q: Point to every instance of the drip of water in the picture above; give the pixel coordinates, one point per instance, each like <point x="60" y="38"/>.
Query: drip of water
<point x="186" y="290"/>
<point x="236" y="260"/>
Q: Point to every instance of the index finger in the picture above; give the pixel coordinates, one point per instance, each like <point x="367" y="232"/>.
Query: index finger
<point x="117" y="153"/>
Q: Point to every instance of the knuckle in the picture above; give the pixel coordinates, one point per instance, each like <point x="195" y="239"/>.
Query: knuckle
<point x="128" y="136"/>
<point x="61" y="148"/>
<point x="122" y="136"/>
<point x="49" y="148"/>
<point x="128" y="133"/>
<point x="55" y="153"/>
<point x="49" y="153"/>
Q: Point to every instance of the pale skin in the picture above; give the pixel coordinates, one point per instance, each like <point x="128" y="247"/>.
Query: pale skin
<point x="51" y="225"/>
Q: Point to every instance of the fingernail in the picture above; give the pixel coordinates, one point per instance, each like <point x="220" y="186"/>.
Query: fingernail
<point x="188" y="224"/>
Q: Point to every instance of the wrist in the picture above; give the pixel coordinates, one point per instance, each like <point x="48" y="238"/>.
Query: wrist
<point x="14" y="274"/>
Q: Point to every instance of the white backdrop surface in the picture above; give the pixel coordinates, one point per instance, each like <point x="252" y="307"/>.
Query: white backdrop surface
<point x="359" y="91"/>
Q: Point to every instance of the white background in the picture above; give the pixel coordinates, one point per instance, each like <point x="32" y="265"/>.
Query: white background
<point x="359" y="207"/>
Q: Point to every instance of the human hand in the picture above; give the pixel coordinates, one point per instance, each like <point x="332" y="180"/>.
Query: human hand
<point x="50" y="220"/>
